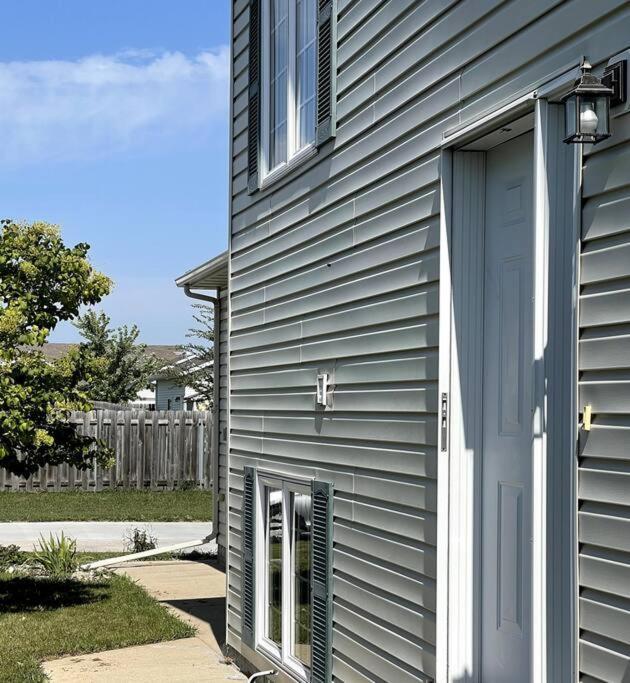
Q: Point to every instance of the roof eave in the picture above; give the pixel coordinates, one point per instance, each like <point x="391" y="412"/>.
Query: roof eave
<point x="212" y="274"/>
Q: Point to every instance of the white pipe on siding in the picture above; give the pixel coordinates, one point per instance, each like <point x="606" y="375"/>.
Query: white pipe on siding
<point x="258" y="674"/>
<point x="148" y="553"/>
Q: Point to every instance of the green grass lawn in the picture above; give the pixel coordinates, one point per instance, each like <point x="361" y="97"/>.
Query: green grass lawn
<point x="45" y="619"/>
<point x="111" y="506"/>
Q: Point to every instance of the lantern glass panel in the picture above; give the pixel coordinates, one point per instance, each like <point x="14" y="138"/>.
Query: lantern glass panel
<point x="602" y="110"/>
<point x="570" y="117"/>
<point x="589" y="121"/>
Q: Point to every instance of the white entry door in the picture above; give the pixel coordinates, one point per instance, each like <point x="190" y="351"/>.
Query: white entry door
<point x="506" y="505"/>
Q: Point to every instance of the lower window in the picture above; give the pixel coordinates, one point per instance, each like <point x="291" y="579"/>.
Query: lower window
<point x="283" y="578"/>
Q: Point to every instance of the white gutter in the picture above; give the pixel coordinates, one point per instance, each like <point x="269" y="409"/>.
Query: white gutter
<point x="215" y="464"/>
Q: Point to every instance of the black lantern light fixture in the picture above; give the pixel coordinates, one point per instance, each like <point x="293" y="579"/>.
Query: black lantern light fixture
<point x="587" y="109"/>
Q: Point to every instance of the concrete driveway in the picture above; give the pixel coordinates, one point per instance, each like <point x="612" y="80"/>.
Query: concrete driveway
<point x="104" y="536"/>
<point x="195" y="591"/>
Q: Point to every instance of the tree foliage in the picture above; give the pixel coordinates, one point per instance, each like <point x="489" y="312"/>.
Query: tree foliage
<point x="42" y="282"/>
<point x="196" y="368"/>
<point x="119" y="366"/>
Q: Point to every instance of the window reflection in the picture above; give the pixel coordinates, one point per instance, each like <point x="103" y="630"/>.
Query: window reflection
<point x="279" y="68"/>
<point x="301" y="564"/>
<point x="305" y="68"/>
<point x="274" y="565"/>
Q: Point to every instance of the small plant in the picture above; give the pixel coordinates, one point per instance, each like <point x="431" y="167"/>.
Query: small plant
<point x="138" y="540"/>
<point x="10" y="555"/>
<point x="57" y="556"/>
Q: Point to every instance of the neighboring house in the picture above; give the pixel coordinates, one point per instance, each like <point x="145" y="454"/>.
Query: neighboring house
<point x="429" y="307"/>
<point x="170" y="394"/>
<point x="162" y="393"/>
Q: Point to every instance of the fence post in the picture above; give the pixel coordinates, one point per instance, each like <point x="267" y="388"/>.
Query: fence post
<point x="155" y="438"/>
<point x="72" y="471"/>
<point x="170" y="450"/>
<point x="113" y="443"/>
<point x="182" y="450"/>
<point x="140" y="452"/>
<point x="208" y="443"/>
<point x="126" y="440"/>
<point x="195" y="466"/>
<point x="98" y="469"/>
<point x="85" y="475"/>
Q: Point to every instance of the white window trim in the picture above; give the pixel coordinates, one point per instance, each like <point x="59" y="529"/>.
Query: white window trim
<point x="294" y="156"/>
<point x="281" y="656"/>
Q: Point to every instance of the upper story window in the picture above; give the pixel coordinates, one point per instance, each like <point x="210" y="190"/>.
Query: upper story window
<point x="292" y="84"/>
<point x="288" y="87"/>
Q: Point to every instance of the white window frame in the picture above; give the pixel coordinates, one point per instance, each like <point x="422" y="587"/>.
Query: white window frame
<point x="280" y="655"/>
<point x="294" y="155"/>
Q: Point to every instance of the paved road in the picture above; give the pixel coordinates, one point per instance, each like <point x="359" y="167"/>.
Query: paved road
<point x="103" y="536"/>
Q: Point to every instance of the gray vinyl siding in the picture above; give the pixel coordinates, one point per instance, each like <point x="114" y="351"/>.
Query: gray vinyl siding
<point x="223" y="414"/>
<point x="604" y="362"/>
<point x="166" y="390"/>
<point x="336" y="268"/>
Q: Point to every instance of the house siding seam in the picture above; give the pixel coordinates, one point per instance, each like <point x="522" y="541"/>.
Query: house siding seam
<point x="336" y="268"/>
<point x="604" y="383"/>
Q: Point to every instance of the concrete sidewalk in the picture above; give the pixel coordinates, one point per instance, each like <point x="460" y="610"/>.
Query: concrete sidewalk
<point x="196" y="593"/>
<point x="104" y="536"/>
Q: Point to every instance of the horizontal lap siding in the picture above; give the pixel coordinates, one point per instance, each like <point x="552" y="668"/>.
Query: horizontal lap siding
<point x="336" y="268"/>
<point x="604" y="361"/>
<point x="166" y="393"/>
<point x="223" y="413"/>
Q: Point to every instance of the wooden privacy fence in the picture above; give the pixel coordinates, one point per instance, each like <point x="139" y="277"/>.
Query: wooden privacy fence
<point x="162" y="449"/>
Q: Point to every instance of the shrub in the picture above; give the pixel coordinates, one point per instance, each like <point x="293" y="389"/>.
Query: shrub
<point x="57" y="556"/>
<point x="10" y="555"/>
<point x="138" y="540"/>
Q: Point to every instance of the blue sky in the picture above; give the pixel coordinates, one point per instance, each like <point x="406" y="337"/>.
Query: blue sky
<point x="114" y="125"/>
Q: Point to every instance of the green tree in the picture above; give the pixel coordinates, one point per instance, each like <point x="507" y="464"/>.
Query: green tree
<point x="42" y="282"/>
<point x="196" y="368"/>
<point x="119" y="366"/>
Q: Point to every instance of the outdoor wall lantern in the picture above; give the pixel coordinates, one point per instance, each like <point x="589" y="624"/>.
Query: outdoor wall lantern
<point x="587" y="109"/>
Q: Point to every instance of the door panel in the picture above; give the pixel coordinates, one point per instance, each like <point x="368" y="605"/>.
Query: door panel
<point x="506" y="505"/>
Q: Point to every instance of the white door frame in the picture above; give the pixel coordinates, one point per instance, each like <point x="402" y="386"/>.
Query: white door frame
<point x="555" y="266"/>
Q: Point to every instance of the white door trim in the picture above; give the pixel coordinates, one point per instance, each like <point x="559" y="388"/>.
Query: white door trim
<point x="444" y="386"/>
<point x="457" y="647"/>
<point x="539" y="446"/>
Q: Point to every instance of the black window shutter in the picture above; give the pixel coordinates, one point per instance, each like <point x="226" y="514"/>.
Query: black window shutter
<point x="253" y="112"/>
<point x="248" y="616"/>
<point x="326" y="70"/>
<point x="322" y="520"/>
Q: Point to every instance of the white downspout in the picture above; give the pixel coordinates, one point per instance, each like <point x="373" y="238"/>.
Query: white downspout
<point x="214" y="451"/>
<point x="259" y="674"/>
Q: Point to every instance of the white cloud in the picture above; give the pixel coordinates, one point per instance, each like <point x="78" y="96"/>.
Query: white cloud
<point x="104" y="103"/>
